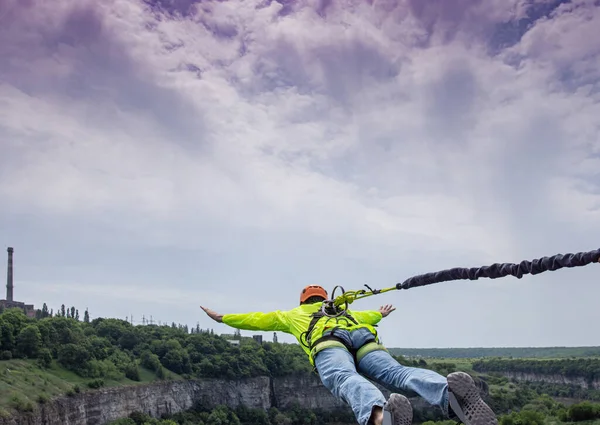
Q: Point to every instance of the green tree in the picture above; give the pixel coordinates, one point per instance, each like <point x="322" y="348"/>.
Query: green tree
<point x="12" y="321"/>
<point x="525" y="417"/>
<point x="7" y="337"/>
<point x="583" y="411"/>
<point x="29" y="341"/>
<point x="132" y="372"/>
<point x="74" y="357"/>
<point x="44" y="358"/>
<point x="222" y="415"/>
<point x="150" y="360"/>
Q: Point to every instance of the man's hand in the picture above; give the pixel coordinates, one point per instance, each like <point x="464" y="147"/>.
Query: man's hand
<point x="386" y="309"/>
<point x="213" y="314"/>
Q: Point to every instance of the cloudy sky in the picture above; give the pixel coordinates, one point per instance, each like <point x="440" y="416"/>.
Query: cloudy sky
<point x="161" y="155"/>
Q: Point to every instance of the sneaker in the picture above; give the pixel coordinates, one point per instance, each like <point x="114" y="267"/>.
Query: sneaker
<point x="397" y="411"/>
<point x="466" y="402"/>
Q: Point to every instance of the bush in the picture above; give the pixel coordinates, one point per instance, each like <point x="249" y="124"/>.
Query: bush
<point x="74" y="357"/>
<point x="96" y="383"/>
<point x="6" y="355"/>
<point x="525" y="417"/>
<point x="150" y="361"/>
<point x="44" y="358"/>
<point x="584" y="411"/>
<point x="132" y="372"/>
<point x="160" y="373"/>
<point x="123" y="421"/>
<point x="101" y="369"/>
<point x="21" y="405"/>
<point x="139" y="418"/>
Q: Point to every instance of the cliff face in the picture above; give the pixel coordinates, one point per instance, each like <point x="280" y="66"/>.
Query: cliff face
<point x="309" y="393"/>
<point x="554" y="379"/>
<point x="101" y="406"/>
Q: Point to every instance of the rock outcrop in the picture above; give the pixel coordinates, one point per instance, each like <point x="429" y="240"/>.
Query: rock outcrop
<point x="554" y="379"/>
<point x="99" y="407"/>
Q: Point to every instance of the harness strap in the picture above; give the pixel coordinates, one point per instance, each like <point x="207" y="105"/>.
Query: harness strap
<point x="316" y="316"/>
<point x="358" y="353"/>
<point x="366" y="349"/>
<point x="326" y="342"/>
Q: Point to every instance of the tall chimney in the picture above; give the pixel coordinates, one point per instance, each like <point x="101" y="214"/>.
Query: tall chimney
<point x="9" y="276"/>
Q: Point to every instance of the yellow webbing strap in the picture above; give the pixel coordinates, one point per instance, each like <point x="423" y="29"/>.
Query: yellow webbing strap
<point x="362" y="351"/>
<point x="326" y="344"/>
<point x="367" y="348"/>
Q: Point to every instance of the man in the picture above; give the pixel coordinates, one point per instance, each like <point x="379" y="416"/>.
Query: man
<point x="345" y="351"/>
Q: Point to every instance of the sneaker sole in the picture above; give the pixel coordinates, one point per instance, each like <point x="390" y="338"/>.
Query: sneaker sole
<point x="462" y="390"/>
<point x="397" y="411"/>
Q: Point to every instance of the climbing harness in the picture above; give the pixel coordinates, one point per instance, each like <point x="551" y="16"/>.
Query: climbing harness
<point x="335" y="306"/>
<point x="327" y="310"/>
<point x="329" y="338"/>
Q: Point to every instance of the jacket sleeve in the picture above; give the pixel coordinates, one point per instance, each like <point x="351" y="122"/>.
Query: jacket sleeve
<point x="257" y="321"/>
<point x="371" y="317"/>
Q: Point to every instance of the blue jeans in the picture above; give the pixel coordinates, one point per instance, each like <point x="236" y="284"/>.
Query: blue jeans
<point x="345" y="380"/>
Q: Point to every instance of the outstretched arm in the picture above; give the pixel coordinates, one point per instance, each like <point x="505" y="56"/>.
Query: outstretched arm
<point x="372" y="317"/>
<point x="213" y="314"/>
<point x="256" y="321"/>
<point x="385" y="310"/>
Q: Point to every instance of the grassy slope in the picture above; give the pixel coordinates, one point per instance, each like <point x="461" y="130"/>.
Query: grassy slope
<point x="23" y="383"/>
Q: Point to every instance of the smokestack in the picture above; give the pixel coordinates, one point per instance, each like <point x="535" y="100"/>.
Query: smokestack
<point x="9" y="276"/>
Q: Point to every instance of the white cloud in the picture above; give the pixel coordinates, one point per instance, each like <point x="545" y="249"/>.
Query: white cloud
<point x="383" y="136"/>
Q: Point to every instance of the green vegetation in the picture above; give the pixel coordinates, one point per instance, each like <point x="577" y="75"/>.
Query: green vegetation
<point x="113" y="349"/>
<point x="505" y="352"/>
<point x="23" y="383"/>
<point x="222" y="415"/>
<point x="588" y="369"/>
<point x="537" y="411"/>
<point x="52" y="355"/>
<point x="585" y="370"/>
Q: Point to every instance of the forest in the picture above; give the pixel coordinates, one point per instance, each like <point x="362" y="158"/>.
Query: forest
<point x="112" y="348"/>
<point x="586" y="368"/>
<point x="504" y="352"/>
<point x="105" y="351"/>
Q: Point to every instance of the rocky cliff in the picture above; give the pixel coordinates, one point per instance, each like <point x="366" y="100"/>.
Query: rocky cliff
<point x="554" y="379"/>
<point x="101" y="406"/>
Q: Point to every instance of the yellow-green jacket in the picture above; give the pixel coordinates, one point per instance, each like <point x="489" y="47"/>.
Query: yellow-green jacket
<point x="297" y="321"/>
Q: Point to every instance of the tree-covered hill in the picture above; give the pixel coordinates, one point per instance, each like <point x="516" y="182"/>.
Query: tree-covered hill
<point x="55" y="354"/>
<point x="107" y="348"/>
<point x="505" y="352"/>
<point x="588" y="369"/>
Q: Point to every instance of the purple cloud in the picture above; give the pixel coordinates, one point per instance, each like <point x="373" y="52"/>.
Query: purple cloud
<point x="318" y="140"/>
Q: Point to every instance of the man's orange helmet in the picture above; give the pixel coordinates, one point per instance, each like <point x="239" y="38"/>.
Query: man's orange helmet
<point x="312" y="291"/>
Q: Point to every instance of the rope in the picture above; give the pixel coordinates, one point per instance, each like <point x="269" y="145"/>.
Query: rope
<point x="499" y="270"/>
<point x="494" y="271"/>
